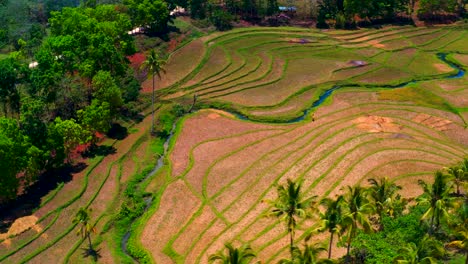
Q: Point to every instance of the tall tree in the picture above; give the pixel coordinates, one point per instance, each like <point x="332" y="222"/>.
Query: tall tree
<point x="331" y="219"/>
<point x="458" y="175"/>
<point x="357" y="212"/>
<point x="242" y="255"/>
<point x="155" y="65"/>
<point x="17" y="154"/>
<point x="83" y="219"/>
<point x="290" y="206"/>
<point x="382" y="194"/>
<point x="426" y="251"/>
<point x="72" y="133"/>
<point x="437" y="197"/>
<point x="151" y="13"/>
<point x="309" y="254"/>
<point x="9" y="78"/>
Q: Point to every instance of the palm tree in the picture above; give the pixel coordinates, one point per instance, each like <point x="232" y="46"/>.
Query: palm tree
<point x="382" y="194"/>
<point x="458" y="176"/>
<point x="331" y="219"/>
<point x="437" y="196"/>
<point x="242" y="255"/>
<point x="461" y="229"/>
<point x="155" y="65"/>
<point x="83" y="219"/>
<point x="427" y="251"/>
<point x="290" y="206"/>
<point x="462" y="240"/>
<point x="307" y="256"/>
<point x="357" y="211"/>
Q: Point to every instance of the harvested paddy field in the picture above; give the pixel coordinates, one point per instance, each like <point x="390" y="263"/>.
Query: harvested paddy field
<point x="376" y="125"/>
<point x="329" y="108"/>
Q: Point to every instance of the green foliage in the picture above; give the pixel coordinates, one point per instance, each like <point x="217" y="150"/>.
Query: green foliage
<point x="290" y="206"/>
<point x="96" y="117"/>
<point x="9" y="78"/>
<point x="106" y="90"/>
<point x="427" y="250"/>
<point x="72" y="133"/>
<point x="197" y="9"/>
<point x="17" y="154"/>
<point x="221" y="19"/>
<point x="356" y="213"/>
<point x="436" y="197"/>
<point x="434" y="6"/>
<point x="99" y="36"/>
<point x="332" y="218"/>
<point x="386" y="244"/>
<point x="242" y="255"/>
<point x="383" y="195"/>
<point x="154" y="14"/>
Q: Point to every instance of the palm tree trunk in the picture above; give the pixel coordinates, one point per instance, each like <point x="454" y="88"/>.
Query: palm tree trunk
<point x="330" y="245"/>
<point x="291" y="242"/>
<point x="152" y="109"/>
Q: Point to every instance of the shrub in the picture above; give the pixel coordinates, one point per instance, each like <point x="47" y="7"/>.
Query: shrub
<point x="221" y="20"/>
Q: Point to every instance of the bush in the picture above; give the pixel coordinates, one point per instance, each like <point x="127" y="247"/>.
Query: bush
<point x="340" y="21"/>
<point x="221" y="20"/>
<point x="380" y="247"/>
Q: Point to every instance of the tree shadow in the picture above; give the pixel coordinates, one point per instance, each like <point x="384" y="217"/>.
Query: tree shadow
<point x="101" y="150"/>
<point x="117" y="131"/>
<point x="91" y="252"/>
<point x="31" y="199"/>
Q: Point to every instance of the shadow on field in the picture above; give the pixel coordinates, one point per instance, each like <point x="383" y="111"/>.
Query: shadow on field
<point x="101" y="150"/>
<point x="31" y="199"/>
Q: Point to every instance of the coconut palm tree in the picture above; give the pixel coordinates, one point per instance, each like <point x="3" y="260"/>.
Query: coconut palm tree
<point x="457" y="175"/>
<point x="290" y="206"/>
<point x="382" y="193"/>
<point x="331" y="219"/>
<point x="307" y="256"/>
<point x="425" y="252"/>
<point x="460" y="228"/>
<point x="83" y="218"/>
<point x="461" y="242"/>
<point x="437" y="197"/>
<point x="242" y="255"/>
<point x="155" y="65"/>
<point x="357" y="212"/>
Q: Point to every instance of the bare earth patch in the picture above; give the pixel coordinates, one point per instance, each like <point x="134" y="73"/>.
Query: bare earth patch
<point x="375" y="124"/>
<point x="432" y="121"/>
<point x="20" y="225"/>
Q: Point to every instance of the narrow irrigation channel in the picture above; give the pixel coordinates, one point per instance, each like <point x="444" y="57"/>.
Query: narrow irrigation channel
<point x="325" y="95"/>
<point x="148" y="200"/>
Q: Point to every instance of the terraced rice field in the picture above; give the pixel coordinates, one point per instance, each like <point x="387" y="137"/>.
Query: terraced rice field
<point x="396" y="109"/>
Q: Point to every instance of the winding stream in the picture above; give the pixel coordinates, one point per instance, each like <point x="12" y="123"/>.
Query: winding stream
<point x="325" y="95"/>
<point x="148" y="200"/>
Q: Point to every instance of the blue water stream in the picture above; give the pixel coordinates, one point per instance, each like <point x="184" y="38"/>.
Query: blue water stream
<point x="442" y="56"/>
